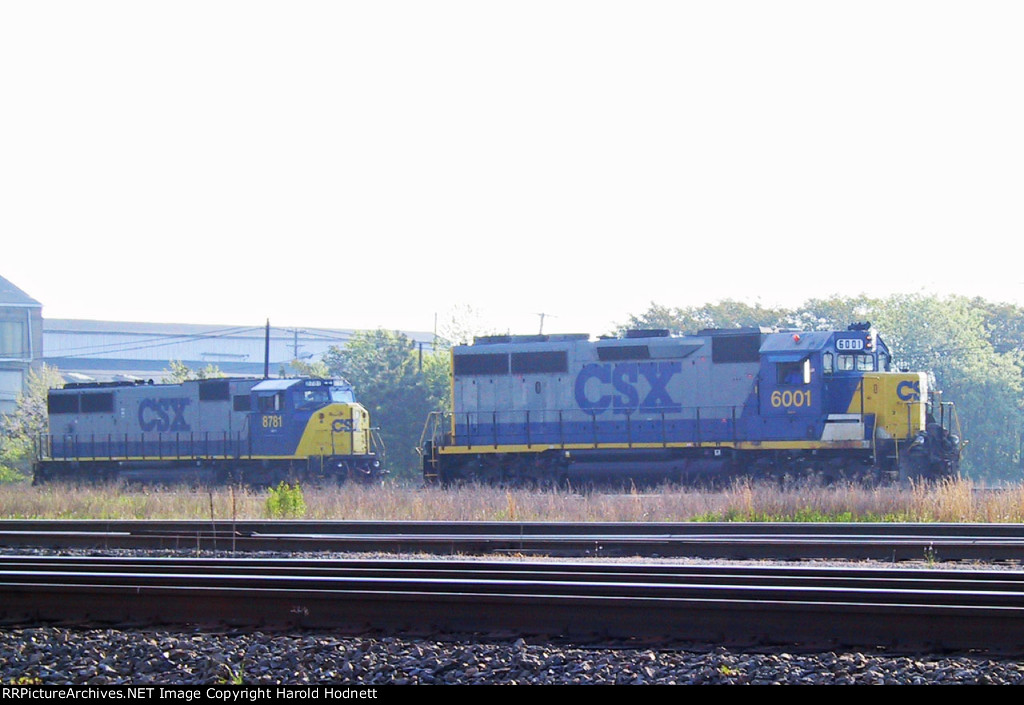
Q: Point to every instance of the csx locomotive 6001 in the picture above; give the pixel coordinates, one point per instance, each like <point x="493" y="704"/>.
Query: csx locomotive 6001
<point x="213" y="430"/>
<point x="650" y="406"/>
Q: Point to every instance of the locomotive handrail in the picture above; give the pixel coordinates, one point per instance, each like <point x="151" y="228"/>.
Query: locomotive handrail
<point x="430" y="426"/>
<point x="954" y="420"/>
<point x="74" y="447"/>
<point x="470" y="430"/>
<point x="377" y="441"/>
<point x="244" y="433"/>
<point x="522" y="427"/>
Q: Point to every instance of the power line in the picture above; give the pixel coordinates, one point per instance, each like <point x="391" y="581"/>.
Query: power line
<point x="322" y="334"/>
<point x="89" y="350"/>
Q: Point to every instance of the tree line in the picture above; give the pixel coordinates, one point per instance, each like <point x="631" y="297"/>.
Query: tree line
<point x="972" y="348"/>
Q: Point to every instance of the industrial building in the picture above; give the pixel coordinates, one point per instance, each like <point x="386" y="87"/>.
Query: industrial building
<point x="104" y="351"/>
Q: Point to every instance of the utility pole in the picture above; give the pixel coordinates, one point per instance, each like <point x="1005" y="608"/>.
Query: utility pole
<point x="542" y="317"/>
<point x="266" y="352"/>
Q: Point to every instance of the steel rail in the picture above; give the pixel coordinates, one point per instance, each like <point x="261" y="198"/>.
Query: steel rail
<point x="893" y="542"/>
<point x="873" y="578"/>
<point x="814" y="608"/>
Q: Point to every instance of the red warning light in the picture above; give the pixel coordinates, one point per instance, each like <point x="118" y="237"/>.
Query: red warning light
<point x="796" y="337"/>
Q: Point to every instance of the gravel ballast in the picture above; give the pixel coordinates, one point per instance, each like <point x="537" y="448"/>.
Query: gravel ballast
<point x="89" y="656"/>
<point x="104" y="657"/>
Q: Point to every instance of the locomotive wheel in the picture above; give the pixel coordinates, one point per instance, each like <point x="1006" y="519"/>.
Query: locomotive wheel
<point x="916" y="464"/>
<point x="834" y="471"/>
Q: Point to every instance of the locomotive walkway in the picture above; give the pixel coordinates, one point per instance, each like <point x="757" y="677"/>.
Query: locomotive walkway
<point x="854" y="541"/>
<point x="574" y="601"/>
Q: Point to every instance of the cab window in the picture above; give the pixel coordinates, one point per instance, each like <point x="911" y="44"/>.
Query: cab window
<point x="793" y="372"/>
<point x="859" y="363"/>
<point x="342" y="395"/>
<point x="312" y="398"/>
<point x="274" y="402"/>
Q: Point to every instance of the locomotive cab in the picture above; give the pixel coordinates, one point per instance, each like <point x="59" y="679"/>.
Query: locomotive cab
<point x="791" y="389"/>
<point x="313" y="418"/>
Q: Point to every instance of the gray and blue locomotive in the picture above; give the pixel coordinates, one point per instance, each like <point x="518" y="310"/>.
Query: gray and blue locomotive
<point x="654" y="407"/>
<point x="259" y="431"/>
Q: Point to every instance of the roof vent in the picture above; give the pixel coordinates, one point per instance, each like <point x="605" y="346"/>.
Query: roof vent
<point x="647" y="333"/>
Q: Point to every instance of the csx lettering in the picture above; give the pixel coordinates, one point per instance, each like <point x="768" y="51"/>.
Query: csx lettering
<point x="908" y="391"/>
<point x="619" y="387"/>
<point x="342" y="425"/>
<point x="163" y="415"/>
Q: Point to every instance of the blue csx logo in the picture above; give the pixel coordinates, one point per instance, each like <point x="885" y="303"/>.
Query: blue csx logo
<point x="619" y="387"/>
<point x="163" y="415"/>
<point x="908" y="391"/>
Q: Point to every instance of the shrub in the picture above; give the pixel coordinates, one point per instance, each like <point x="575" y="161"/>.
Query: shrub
<point x="285" y="502"/>
<point x="10" y="474"/>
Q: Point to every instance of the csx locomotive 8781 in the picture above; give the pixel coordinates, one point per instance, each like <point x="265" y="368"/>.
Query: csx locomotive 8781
<point x="649" y="406"/>
<point x="214" y="430"/>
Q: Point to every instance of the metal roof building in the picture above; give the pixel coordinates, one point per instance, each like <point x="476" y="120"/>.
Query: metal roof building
<point x="103" y="351"/>
<point x="108" y="350"/>
<point x="21" y="340"/>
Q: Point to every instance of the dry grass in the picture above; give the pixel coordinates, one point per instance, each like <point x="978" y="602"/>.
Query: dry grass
<point x="959" y="501"/>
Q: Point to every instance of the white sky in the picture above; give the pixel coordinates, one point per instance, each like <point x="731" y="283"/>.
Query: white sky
<point x="374" y="163"/>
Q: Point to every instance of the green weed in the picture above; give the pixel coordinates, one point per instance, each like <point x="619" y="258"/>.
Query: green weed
<point x="285" y="502"/>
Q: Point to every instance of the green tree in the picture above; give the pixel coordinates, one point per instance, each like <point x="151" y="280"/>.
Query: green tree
<point x="316" y="370"/>
<point x="724" y="314"/>
<point x="949" y="338"/>
<point x="1004" y="322"/>
<point x="180" y="372"/>
<point x="658" y="317"/>
<point x="460" y="324"/>
<point x="973" y="350"/>
<point x="834" y="313"/>
<point x="398" y="383"/>
<point x="20" y="429"/>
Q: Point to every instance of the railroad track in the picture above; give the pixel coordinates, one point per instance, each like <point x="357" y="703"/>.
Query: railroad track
<point x="853" y="541"/>
<point x="580" y="601"/>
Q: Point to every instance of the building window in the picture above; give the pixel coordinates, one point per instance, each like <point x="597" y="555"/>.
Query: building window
<point x="12" y="339"/>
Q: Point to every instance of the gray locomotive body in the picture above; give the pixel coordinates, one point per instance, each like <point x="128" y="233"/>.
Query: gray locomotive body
<point x="212" y="430"/>
<point x="654" y="406"/>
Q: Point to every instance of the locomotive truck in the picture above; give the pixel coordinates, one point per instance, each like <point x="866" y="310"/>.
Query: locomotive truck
<point x="649" y="406"/>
